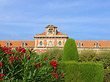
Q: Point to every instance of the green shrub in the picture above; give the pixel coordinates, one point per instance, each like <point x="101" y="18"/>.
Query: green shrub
<point x="82" y="72"/>
<point x="87" y="56"/>
<point x="90" y="55"/>
<point x="53" y="54"/>
<point x="70" y="51"/>
<point x="107" y="75"/>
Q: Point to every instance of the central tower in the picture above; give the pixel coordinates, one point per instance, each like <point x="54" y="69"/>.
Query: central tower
<point x="51" y="30"/>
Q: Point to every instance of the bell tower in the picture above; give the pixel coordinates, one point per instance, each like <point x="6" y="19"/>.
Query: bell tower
<point x="51" y="30"/>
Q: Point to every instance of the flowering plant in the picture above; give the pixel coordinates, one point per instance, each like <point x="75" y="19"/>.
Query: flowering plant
<point x="25" y="65"/>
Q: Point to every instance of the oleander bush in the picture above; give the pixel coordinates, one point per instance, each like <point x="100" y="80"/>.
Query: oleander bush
<point x="21" y="65"/>
<point x="70" y="51"/>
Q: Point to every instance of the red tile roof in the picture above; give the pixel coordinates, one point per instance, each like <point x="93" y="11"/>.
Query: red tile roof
<point x="32" y="43"/>
<point x="44" y="33"/>
<point x="18" y="43"/>
<point x="59" y="33"/>
<point x="92" y="43"/>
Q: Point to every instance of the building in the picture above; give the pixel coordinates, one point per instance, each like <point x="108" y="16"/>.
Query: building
<point x="53" y="38"/>
<point x="50" y="38"/>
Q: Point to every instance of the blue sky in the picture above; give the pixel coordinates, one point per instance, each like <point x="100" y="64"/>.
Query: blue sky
<point x="80" y="19"/>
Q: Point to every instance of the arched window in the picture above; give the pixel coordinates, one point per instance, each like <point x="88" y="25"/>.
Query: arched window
<point x="7" y="44"/>
<point x="50" y="44"/>
<point x="79" y="44"/>
<point x="96" y="44"/>
<point x="41" y="43"/>
<point x="59" y="43"/>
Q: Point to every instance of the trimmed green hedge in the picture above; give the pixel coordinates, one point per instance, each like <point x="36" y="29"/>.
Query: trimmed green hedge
<point x="70" y="51"/>
<point x="82" y="72"/>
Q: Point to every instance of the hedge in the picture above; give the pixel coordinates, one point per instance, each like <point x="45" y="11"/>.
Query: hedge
<point x="70" y="51"/>
<point x="82" y="72"/>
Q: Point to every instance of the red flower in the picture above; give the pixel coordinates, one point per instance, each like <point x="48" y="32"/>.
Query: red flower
<point x="10" y="57"/>
<point x="21" y="57"/>
<point x="62" y="75"/>
<point x="9" y="52"/>
<point x="38" y="65"/>
<point x="28" y="57"/>
<point x="54" y="63"/>
<point x="21" y="50"/>
<point x="16" y="48"/>
<point x="22" y="54"/>
<point x="10" y="61"/>
<point x="46" y="58"/>
<point x="56" y="75"/>
<point x="16" y="58"/>
<point x="1" y="64"/>
<point x="5" y="54"/>
<point x="34" y="62"/>
<point x="1" y="76"/>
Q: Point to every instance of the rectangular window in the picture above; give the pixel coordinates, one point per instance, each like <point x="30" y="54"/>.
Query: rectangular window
<point x="79" y="44"/>
<point x="96" y="44"/>
<point x="7" y="44"/>
<point x="23" y="44"/>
